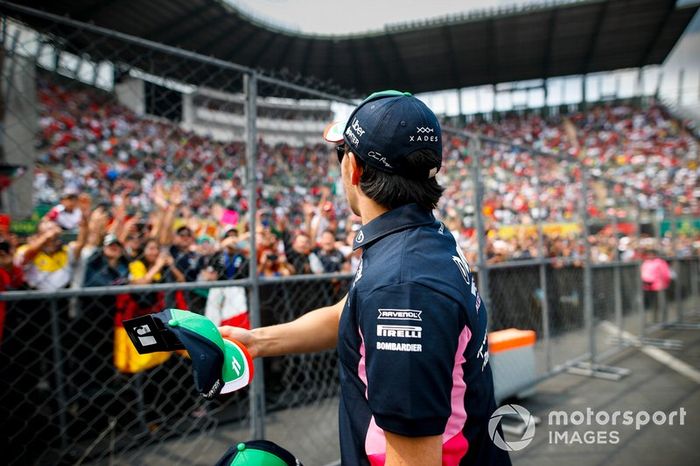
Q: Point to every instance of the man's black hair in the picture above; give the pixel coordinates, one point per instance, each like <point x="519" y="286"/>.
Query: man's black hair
<point x="393" y="190"/>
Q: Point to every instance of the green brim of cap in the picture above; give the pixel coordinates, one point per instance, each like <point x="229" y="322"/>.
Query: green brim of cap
<point x="334" y="132"/>
<point x="238" y="366"/>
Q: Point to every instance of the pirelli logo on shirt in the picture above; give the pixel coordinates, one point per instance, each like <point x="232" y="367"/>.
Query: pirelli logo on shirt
<point x="399" y="331"/>
<point x="400" y="314"/>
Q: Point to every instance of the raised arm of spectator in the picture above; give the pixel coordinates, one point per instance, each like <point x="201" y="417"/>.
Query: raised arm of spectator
<point x="314" y="221"/>
<point x="176" y="199"/>
<point x="96" y="227"/>
<point x="48" y="231"/>
<point x="158" y="216"/>
<point x="310" y="221"/>
<point x="119" y="217"/>
<point x="138" y="275"/>
<point x="83" y="228"/>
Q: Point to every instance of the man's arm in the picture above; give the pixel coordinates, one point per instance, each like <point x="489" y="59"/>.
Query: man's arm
<point x="413" y="451"/>
<point x="314" y="331"/>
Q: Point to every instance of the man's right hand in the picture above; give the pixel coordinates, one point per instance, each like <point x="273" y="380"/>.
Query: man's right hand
<point x="241" y="335"/>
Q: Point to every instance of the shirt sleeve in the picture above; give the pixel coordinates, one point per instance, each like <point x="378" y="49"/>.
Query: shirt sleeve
<point x="410" y="334"/>
<point x="137" y="270"/>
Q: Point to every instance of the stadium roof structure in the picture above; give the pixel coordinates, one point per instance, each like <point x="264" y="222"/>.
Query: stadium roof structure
<point x="485" y="47"/>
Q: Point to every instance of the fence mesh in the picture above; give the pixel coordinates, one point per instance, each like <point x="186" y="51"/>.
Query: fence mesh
<point x="149" y="145"/>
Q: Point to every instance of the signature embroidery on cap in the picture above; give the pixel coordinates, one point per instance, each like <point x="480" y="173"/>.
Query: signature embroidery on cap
<point x="426" y="129"/>
<point x="379" y="157"/>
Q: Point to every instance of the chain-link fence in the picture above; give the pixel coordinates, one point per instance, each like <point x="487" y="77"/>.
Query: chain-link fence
<point x="74" y="393"/>
<point x="209" y="180"/>
<point x="153" y="167"/>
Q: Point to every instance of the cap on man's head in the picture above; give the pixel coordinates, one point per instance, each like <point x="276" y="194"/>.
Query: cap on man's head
<point x="387" y="127"/>
<point x="110" y="239"/>
<point x="258" y="453"/>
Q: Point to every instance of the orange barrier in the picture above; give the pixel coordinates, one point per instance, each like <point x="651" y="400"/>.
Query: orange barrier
<point x="511" y="338"/>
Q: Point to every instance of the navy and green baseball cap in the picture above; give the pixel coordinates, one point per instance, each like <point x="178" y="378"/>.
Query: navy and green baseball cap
<point x="385" y="128"/>
<point x="219" y="365"/>
<point x="258" y="453"/>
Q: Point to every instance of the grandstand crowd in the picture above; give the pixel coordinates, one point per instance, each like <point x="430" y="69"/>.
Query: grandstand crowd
<point x="139" y="200"/>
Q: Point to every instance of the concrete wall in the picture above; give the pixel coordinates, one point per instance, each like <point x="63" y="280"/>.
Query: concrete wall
<point x="130" y="93"/>
<point x="18" y="130"/>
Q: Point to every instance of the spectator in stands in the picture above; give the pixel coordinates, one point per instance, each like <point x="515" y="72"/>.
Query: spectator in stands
<point x="67" y="215"/>
<point x="133" y="244"/>
<point x="11" y="277"/>
<point x="153" y="266"/>
<point x="108" y="266"/>
<point x="186" y="260"/>
<point x="298" y="254"/>
<point x="274" y="265"/>
<point x="96" y="226"/>
<point x="231" y="262"/>
<point x="656" y="278"/>
<point x="46" y="260"/>
<point x="92" y="352"/>
<point x="322" y="219"/>
<point x="327" y="258"/>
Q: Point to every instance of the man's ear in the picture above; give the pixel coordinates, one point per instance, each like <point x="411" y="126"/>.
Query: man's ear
<point x="355" y="169"/>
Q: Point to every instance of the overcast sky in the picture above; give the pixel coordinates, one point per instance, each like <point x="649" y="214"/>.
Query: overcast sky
<point x="344" y="16"/>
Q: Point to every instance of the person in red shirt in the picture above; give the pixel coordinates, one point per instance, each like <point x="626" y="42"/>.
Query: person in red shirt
<point x="11" y="277"/>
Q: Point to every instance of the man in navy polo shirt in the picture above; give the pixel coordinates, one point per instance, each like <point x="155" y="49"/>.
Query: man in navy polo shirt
<point x="411" y="333"/>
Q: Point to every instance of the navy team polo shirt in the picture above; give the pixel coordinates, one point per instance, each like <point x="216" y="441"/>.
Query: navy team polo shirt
<point x="412" y="345"/>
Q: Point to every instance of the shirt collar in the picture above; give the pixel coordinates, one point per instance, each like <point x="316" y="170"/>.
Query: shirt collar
<point x="406" y="216"/>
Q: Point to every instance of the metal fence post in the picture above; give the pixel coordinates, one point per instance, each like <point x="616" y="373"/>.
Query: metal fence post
<point x="257" y="388"/>
<point x="676" y="267"/>
<point x="587" y="268"/>
<point x="475" y="145"/>
<point x="617" y="281"/>
<point x="591" y="368"/>
<point x="543" y="274"/>
<point x="694" y="265"/>
<point x="58" y="371"/>
<point x="640" y="289"/>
